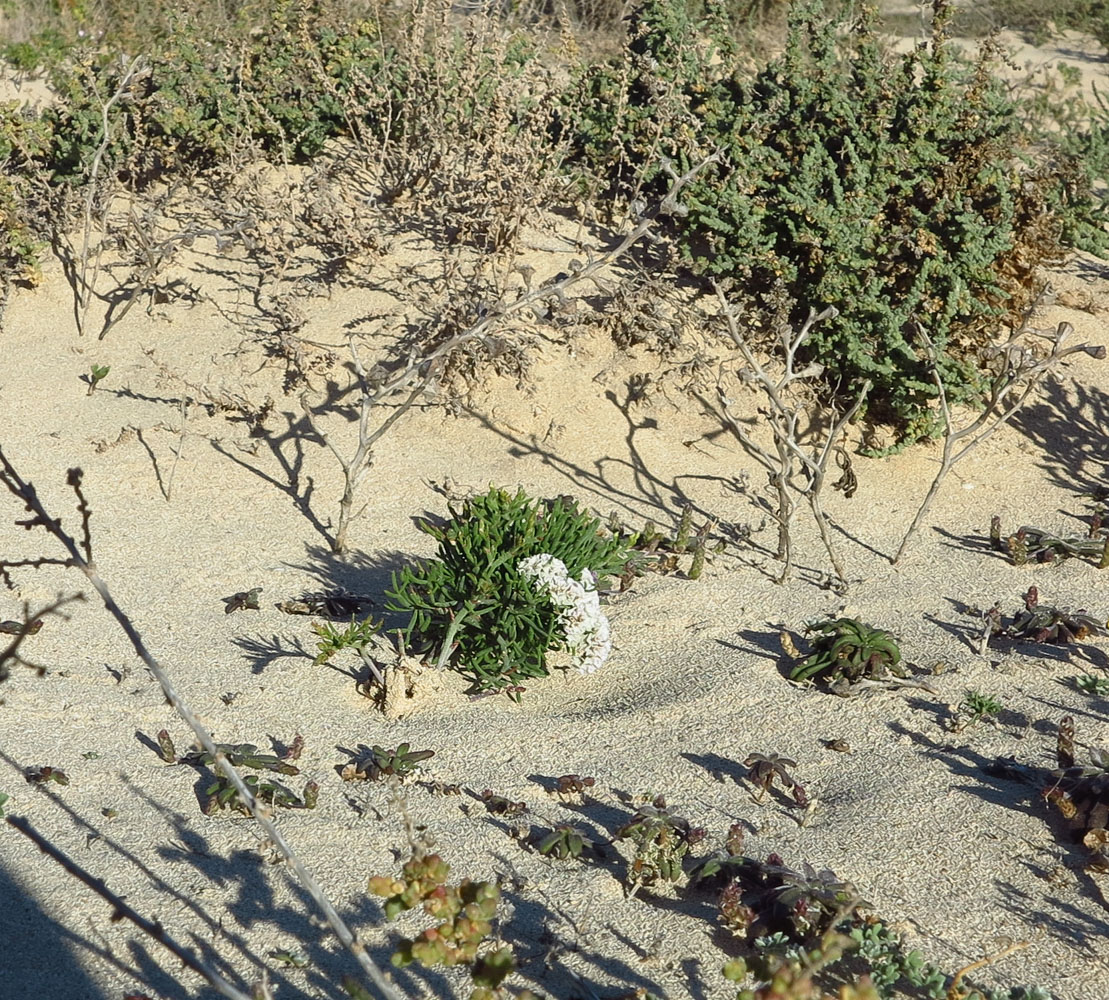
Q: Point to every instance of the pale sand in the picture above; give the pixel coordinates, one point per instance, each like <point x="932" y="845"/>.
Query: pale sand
<point x="963" y="863"/>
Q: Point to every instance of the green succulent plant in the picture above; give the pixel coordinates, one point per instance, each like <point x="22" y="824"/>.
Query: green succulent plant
<point x="846" y="649"/>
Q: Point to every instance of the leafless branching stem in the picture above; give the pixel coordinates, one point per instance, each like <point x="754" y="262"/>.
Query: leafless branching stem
<point x="79" y="556"/>
<point x="1021" y="370"/>
<point x="796" y="472"/>
<point x="421" y="370"/>
<point x="84" y="287"/>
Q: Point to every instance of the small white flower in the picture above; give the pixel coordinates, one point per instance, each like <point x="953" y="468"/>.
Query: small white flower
<point x="585" y="627"/>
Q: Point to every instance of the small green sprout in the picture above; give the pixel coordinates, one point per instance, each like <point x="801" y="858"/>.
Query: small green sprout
<point x="562" y="842"/>
<point x="381" y="763"/>
<point x="975" y="707"/>
<point x="95" y="376"/>
<point x="45" y="774"/>
<point x="356" y="636"/>
<point x="764" y="769"/>
<point x="1092" y="684"/>
<point x="3" y="798"/>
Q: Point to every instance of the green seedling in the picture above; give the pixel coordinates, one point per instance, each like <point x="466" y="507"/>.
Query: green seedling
<point x="244" y="600"/>
<point x="223" y="795"/>
<point x="1092" y="684"/>
<point x="721" y="867"/>
<point x="356" y="636"/>
<point x="1032" y="544"/>
<point x="562" y="842"/>
<point x="847" y="650"/>
<point x="96" y="375"/>
<point x="45" y="775"/>
<point x="763" y="770"/>
<point x="974" y="708"/>
<point x="382" y="763"/>
<point x="3" y="799"/>
<point x="289" y="957"/>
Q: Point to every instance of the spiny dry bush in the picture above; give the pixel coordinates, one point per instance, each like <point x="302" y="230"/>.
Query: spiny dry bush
<point x="888" y="186"/>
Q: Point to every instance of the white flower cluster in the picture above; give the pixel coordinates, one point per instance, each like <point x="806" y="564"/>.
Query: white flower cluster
<point x="579" y="609"/>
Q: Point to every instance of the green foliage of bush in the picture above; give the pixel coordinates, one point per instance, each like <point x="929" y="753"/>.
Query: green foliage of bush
<point x="196" y="101"/>
<point x="887" y="186"/>
<point x="473" y="605"/>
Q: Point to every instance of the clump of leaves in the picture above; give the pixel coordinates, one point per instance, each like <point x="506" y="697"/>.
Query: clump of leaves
<point x="1036" y="622"/>
<point x="499" y="805"/>
<point x="221" y="794"/>
<point x="573" y="785"/>
<point x="846" y="650"/>
<point x="45" y="775"/>
<point x="563" y="842"/>
<point x="657" y="552"/>
<point x="662" y="839"/>
<point x="764" y="769"/>
<point x="766" y="898"/>
<point x="1092" y="684"/>
<point x="464" y="920"/>
<point x="1032" y="544"/>
<point x="381" y="763"/>
<point x="887" y="185"/>
<point x="356" y="636"/>
<point x="472" y="606"/>
<point x="244" y="600"/>
<point x="975" y="707"/>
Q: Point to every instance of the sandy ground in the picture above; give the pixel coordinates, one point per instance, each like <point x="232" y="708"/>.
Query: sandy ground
<point x="962" y="862"/>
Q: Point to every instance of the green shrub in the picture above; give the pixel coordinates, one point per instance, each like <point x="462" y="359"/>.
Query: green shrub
<point x="473" y="603"/>
<point x="887" y="186"/>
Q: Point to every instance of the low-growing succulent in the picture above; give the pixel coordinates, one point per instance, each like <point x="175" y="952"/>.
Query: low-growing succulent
<point x="564" y="841"/>
<point x="1080" y="793"/>
<point x="221" y="794"/>
<point x="1092" y="684"/>
<point x="661" y="839"/>
<point x="657" y="552"/>
<point x="463" y="914"/>
<point x="380" y="763"/>
<point x="46" y="775"/>
<point x="764" y="769"/>
<point x="501" y="806"/>
<point x="244" y="600"/>
<point x="846" y="649"/>
<point x="766" y="898"/>
<point x="1032" y="544"/>
<point x="573" y="785"/>
<point x="1037" y="622"/>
